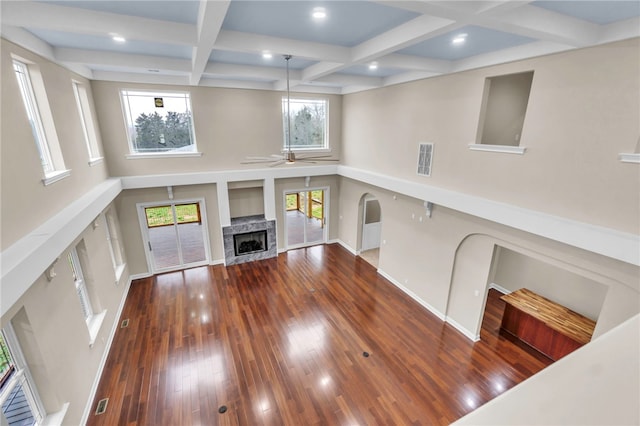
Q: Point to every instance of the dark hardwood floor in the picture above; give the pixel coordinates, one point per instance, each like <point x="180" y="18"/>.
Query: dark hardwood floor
<point x="283" y="341"/>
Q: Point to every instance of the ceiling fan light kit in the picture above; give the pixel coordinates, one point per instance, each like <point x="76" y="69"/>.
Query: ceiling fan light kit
<point x="288" y="157"/>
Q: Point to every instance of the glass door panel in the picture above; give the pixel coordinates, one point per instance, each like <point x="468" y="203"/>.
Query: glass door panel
<point x="305" y="218"/>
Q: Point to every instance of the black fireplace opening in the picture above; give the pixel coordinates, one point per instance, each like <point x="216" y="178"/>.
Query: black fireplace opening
<point x="250" y="242"/>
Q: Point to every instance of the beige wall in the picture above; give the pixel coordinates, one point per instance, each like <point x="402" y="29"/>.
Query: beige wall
<point x="246" y="202"/>
<point x="51" y="329"/>
<point x="230" y="124"/>
<point x="445" y="259"/>
<point x="130" y="225"/>
<point x="583" y="110"/>
<point x="514" y="271"/>
<point x="26" y="202"/>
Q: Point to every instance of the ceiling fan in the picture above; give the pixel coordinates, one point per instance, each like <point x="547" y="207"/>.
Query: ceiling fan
<point x="288" y="156"/>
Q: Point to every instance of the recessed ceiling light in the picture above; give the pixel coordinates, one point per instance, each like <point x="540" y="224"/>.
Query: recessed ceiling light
<point x="267" y="55"/>
<point x="373" y="66"/>
<point x="459" y="39"/>
<point x="319" y="13"/>
<point x="118" y="39"/>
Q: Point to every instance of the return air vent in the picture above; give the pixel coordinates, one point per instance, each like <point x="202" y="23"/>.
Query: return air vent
<point x="102" y="406"/>
<point x="125" y="323"/>
<point x="425" y="155"/>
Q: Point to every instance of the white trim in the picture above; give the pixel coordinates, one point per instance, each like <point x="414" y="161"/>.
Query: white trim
<point x="119" y="270"/>
<point x="499" y="288"/>
<point x="57" y="418"/>
<point x="54" y="177"/>
<point x="163" y="155"/>
<point x="412" y="295"/>
<point x="216" y="262"/>
<point x="140" y="276"/>
<point x="629" y="158"/>
<point x="105" y="354"/>
<point x="346" y="246"/>
<point x="95" y="161"/>
<point x="24" y="261"/>
<point x="608" y="242"/>
<point x="507" y="149"/>
<point x="94" y="324"/>
<point x="469" y="335"/>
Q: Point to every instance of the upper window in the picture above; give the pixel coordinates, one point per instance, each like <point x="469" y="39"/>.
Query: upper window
<point x="504" y="106"/>
<point x="159" y="122"/>
<point x="308" y="121"/>
<point x="88" y="126"/>
<point x="41" y="121"/>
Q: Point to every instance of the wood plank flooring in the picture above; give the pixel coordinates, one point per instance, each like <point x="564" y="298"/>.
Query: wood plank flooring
<point x="282" y="342"/>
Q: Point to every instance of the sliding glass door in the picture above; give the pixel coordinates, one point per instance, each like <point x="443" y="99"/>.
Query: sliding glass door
<point x="175" y="235"/>
<point x="305" y="217"/>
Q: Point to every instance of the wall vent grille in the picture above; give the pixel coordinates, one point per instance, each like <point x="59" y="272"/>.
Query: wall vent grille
<point x="425" y="156"/>
<point x="125" y="323"/>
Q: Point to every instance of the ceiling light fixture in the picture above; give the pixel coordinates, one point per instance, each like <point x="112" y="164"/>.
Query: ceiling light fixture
<point x="319" y="13"/>
<point x="118" y="39"/>
<point x="267" y="55"/>
<point x="459" y="39"/>
<point x="373" y="66"/>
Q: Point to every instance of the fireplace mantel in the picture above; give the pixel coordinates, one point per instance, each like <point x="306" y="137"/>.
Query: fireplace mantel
<point x="243" y="225"/>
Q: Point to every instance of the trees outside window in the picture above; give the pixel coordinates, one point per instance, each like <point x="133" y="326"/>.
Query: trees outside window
<point x="308" y="124"/>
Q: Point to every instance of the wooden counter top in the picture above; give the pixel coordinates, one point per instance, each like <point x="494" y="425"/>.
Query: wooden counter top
<point x="553" y="315"/>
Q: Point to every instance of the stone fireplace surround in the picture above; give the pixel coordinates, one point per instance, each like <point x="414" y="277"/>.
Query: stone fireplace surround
<point x="242" y="225"/>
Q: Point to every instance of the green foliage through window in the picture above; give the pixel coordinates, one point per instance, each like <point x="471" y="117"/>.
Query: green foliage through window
<point x="159" y="122"/>
<point x="308" y="124"/>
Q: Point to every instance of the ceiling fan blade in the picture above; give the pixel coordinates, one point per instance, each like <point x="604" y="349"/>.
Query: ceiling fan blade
<point x="265" y="160"/>
<point x="277" y="163"/>
<point x="313" y="156"/>
<point x="258" y="157"/>
<point x="318" y="159"/>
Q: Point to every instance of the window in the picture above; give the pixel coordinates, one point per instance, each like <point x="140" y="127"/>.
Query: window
<point x="41" y="121"/>
<point x="88" y="126"/>
<point x="502" y="114"/>
<point x="20" y="402"/>
<point x="115" y="248"/>
<point x="159" y="122"/>
<point x="308" y="119"/>
<point x="94" y="321"/>
<point x="81" y="286"/>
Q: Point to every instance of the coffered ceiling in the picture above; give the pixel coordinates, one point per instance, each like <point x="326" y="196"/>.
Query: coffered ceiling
<point x="357" y="46"/>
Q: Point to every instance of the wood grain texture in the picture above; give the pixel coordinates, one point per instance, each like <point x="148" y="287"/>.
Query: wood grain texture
<point x="555" y="316"/>
<point x="281" y="341"/>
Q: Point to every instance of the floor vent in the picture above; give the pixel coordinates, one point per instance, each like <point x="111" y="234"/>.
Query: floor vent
<point x="125" y="323"/>
<point x="102" y="406"/>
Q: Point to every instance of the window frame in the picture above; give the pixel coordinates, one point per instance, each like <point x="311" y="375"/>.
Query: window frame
<point x="115" y="248"/>
<point x="129" y="122"/>
<point x="92" y="319"/>
<point x="86" y="119"/>
<point x="21" y="376"/>
<point x="326" y="147"/>
<point x="37" y="109"/>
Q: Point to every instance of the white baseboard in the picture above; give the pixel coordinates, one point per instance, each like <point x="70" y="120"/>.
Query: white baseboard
<point x="107" y="349"/>
<point x="469" y="335"/>
<point x="216" y="262"/>
<point x="499" y="288"/>
<point x="139" y="276"/>
<point x="348" y="247"/>
<point x="411" y="294"/>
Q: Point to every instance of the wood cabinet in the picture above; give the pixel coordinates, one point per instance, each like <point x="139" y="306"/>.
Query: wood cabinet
<point x="547" y="326"/>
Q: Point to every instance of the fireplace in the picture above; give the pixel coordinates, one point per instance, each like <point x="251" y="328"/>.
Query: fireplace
<point x="249" y="238"/>
<point x="250" y="242"/>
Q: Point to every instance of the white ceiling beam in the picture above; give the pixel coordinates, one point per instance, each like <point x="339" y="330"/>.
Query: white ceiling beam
<point x="536" y="22"/>
<point x="116" y="59"/>
<point x="351" y="79"/>
<point x="414" y="31"/>
<point x="321" y="69"/>
<point x="210" y="18"/>
<point x="82" y="21"/>
<point x="629" y="28"/>
<point x="408" y="76"/>
<point x="249" y="71"/>
<point x="25" y="39"/>
<point x="256" y="43"/>
<point x="234" y="84"/>
<point x="414" y="63"/>
<point x="511" y="54"/>
<point x="130" y="77"/>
